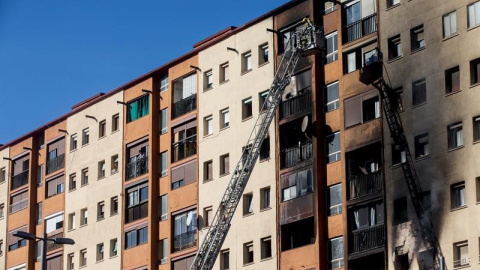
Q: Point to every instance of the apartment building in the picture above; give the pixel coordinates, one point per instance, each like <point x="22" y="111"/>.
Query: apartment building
<point x="4" y="173"/>
<point x="430" y="52"/>
<point x="93" y="184"/>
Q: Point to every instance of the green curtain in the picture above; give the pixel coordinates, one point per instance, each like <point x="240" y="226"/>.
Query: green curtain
<point x="133" y="111"/>
<point x="145" y="105"/>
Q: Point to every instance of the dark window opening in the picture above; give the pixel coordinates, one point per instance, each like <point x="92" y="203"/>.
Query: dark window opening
<point x="297" y="234"/>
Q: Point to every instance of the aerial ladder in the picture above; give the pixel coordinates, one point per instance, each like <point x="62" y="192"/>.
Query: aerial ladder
<point x="373" y="74"/>
<point x="305" y="40"/>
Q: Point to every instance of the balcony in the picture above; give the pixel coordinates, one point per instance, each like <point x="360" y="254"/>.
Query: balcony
<point x="367" y="239"/>
<point x="185" y="148"/>
<point x="51" y="245"/>
<point x="360" y="28"/>
<point x="136" y="167"/>
<point x="363" y="185"/>
<point x="17" y="206"/>
<point x="297" y="155"/>
<point x="55" y="164"/>
<point x="20" y="179"/>
<point x="370" y="72"/>
<point x="461" y="263"/>
<point x="184" y="240"/>
<point x="296" y="105"/>
<point x="185" y="105"/>
<point x="136" y="212"/>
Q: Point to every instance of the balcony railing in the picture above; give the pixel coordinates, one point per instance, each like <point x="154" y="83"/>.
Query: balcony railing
<point x="20" y="205"/>
<point x="361" y="28"/>
<point x="185" y="148"/>
<point x="461" y="262"/>
<point x="137" y="212"/>
<point x="51" y="245"/>
<point x="20" y="179"/>
<point x="55" y="164"/>
<point x="185" y="105"/>
<point x="184" y="240"/>
<point x="366" y="239"/>
<point x="137" y="167"/>
<point x="296" y="105"/>
<point x="296" y="155"/>
<point x="363" y="185"/>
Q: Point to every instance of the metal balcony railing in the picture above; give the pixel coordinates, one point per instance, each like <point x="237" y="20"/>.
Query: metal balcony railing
<point x="366" y="239"/>
<point x="296" y="155"/>
<point x="20" y="205"/>
<point x="51" y="245"/>
<point x="361" y="28"/>
<point x="137" y="167"/>
<point x="185" y="105"/>
<point x="136" y="212"/>
<point x="185" y="148"/>
<point x="184" y="240"/>
<point x="55" y="164"/>
<point x="20" y="179"/>
<point x="296" y="105"/>
<point x="363" y="185"/>
<point x="461" y="262"/>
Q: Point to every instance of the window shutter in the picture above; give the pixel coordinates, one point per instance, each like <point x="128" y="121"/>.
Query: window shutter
<point x="353" y="109"/>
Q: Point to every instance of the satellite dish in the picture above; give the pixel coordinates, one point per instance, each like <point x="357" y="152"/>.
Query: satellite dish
<point x="189" y="218"/>
<point x="307" y="127"/>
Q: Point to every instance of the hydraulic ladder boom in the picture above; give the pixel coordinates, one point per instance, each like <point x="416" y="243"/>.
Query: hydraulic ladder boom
<point x="305" y="40"/>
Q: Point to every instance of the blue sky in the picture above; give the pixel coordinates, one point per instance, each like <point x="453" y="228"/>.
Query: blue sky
<point x="56" y="53"/>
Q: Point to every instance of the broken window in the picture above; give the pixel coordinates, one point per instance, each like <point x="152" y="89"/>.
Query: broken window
<point x="297" y="234"/>
<point x="400" y="213"/>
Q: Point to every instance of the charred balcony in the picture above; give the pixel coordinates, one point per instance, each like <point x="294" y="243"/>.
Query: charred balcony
<point x="295" y="146"/>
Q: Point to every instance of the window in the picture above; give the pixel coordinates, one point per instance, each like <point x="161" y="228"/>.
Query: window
<point x="449" y="24"/>
<point x="38" y="212"/>
<point x="400" y="213"/>
<point x="100" y="210"/>
<point x="137" y="108"/>
<point x="84" y="177"/>
<point x="208" y="125"/>
<point x="3" y="175"/>
<point x="474" y="14"/>
<point x="246" y="108"/>
<point x="417" y="38"/>
<point x="178" y="184"/>
<point x="83" y="217"/>
<point x="224" y="164"/>
<point x="70" y="261"/>
<point x="114" y="164"/>
<point x="247" y="204"/>
<point x="184" y="141"/>
<point x="332" y="47"/>
<point x="55" y="186"/>
<point x="248" y="253"/>
<point x="113" y="247"/>
<point x="73" y="142"/>
<point x="351" y="62"/>
<point x="452" y="80"/>
<point x="476" y="128"/>
<point x="477" y="180"/>
<point x="394" y="47"/>
<point x="224" y="119"/>
<point x="265" y="149"/>
<point x="460" y="254"/>
<point x="18" y="202"/>
<point x="262" y="54"/>
<point x="367" y="216"/>
<point x="455" y="136"/>
<point x="85" y="136"/>
<point x="100" y="252"/>
<point x="137" y="203"/>
<point x="224" y="74"/>
<point x="265" y="198"/>
<point x="297" y="184"/>
<point x="333" y="147"/>
<point x="115" y="122"/>
<point x="370" y="108"/>
<point x="208" y="170"/>
<point x="391" y="3"/>
<point x="208" y="78"/>
<point x="421" y="146"/>
<point x="16" y="242"/>
<point x="334" y="200"/>
<point x="113" y="206"/>
<point x="71" y="221"/>
<point x="72" y="185"/>
<point x="331" y="97"/>
<point x="458" y="196"/>
<point x="163" y="251"/>
<point x="164" y="164"/>
<point x="329" y="7"/>
<point x="83" y="257"/>
<point x="164" y="82"/>
<point x="475" y="68"/>
<point x="225" y="259"/>
<point x="185" y="230"/>
<point x="39" y="175"/>
<point x="246" y="62"/>
<point x="426" y="259"/>
<point x="335" y="253"/>
<point x="102" y="129"/>
<point x="2" y="211"/>
<point x="207" y="216"/>
<point x="370" y="57"/>
<point x="262" y="97"/>
<point x="101" y="169"/>
<point x="419" y="92"/>
<point x="284" y="43"/>
<point x="266" y="247"/>
<point x="163" y="207"/>
<point x="164" y="121"/>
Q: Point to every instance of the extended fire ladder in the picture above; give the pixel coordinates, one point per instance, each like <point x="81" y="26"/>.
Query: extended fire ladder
<point x="305" y="40"/>
<point x="390" y="107"/>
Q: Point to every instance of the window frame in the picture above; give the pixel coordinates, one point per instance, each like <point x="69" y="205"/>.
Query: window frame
<point x="336" y="153"/>
<point x="334" y="53"/>
<point x="449" y="18"/>
<point x="453" y="131"/>
<point x="477" y="16"/>
<point x="335" y="102"/>
<point x="417" y="43"/>
<point x="338" y="207"/>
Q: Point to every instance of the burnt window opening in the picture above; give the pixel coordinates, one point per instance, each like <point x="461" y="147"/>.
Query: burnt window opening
<point x="297" y="234"/>
<point x="400" y="213"/>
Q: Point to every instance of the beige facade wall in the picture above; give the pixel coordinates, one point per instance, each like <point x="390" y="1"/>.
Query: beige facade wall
<point x="4" y="164"/>
<point x="442" y="167"/>
<point x="97" y="190"/>
<point x="260" y="224"/>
